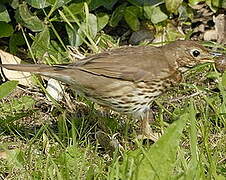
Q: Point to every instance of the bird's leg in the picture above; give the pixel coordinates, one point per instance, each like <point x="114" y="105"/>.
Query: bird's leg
<point x="146" y="131"/>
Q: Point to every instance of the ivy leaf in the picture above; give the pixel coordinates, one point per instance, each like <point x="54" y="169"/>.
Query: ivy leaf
<point x="158" y="15"/>
<point x="173" y="5"/>
<point x="39" y="4"/>
<point x="102" y="20"/>
<point x="92" y="25"/>
<point x="32" y="22"/>
<point x="6" y="30"/>
<point x="4" y="15"/>
<point x="219" y="3"/>
<point x="75" y="35"/>
<point x="16" y="40"/>
<point x="131" y="16"/>
<point x="146" y="2"/>
<point x="57" y="3"/>
<point x="94" y="4"/>
<point x="7" y="87"/>
<point x="75" y="9"/>
<point x="195" y="2"/>
<point x="117" y="15"/>
<point x="41" y="43"/>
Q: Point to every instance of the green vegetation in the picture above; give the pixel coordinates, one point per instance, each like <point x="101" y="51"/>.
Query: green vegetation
<point x="49" y="140"/>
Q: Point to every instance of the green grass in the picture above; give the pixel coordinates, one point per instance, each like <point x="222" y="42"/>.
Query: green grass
<point x="63" y="145"/>
<point x="46" y="140"/>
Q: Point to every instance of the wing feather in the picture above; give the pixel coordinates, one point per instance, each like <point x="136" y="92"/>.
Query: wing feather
<point x="146" y="64"/>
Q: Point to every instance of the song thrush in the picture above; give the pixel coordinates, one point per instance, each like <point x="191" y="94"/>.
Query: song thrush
<point x="127" y="79"/>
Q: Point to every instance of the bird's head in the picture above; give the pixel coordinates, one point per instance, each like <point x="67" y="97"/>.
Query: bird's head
<point x="187" y="54"/>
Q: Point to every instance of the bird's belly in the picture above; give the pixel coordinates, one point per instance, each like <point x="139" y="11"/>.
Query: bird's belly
<point x="133" y="99"/>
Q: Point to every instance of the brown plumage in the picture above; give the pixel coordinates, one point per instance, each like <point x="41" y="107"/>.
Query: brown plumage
<point x="126" y="79"/>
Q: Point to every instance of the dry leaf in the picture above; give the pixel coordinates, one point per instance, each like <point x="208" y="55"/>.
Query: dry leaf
<point x="54" y="89"/>
<point x="24" y="78"/>
<point x="220" y="26"/>
<point x="3" y="155"/>
<point x="210" y="35"/>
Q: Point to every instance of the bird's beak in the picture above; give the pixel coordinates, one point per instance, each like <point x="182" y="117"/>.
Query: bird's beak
<point x="216" y="54"/>
<point x="213" y="57"/>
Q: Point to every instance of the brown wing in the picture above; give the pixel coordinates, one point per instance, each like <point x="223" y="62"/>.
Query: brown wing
<point x="143" y="63"/>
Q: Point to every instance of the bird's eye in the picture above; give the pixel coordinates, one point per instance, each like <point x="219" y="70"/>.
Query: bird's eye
<point x="195" y="53"/>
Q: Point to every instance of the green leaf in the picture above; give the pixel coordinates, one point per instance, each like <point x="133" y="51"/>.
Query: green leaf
<point x="39" y="4"/>
<point x="68" y="16"/>
<point x="73" y="13"/>
<point x="224" y="79"/>
<point x="157" y="15"/>
<point x="21" y="104"/>
<point x="185" y="12"/>
<point x="16" y="158"/>
<point x="148" y="10"/>
<point x="146" y="2"/>
<point x="210" y="4"/>
<point x="16" y="40"/>
<point x="117" y="15"/>
<point x="6" y="30"/>
<point x="195" y="2"/>
<point x="92" y="25"/>
<point x="193" y="164"/>
<point x="15" y="4"/>
<point x="223" y="4"/>
<point x="102" y="20"/>
<point x="173" y="5"/>
<point x="74" y="8"/>
<point x="7" y="87"/>
<point x="172" y="32"/>
<point x="6" y="120"/>
<point x="24" y="16"/>
<point x="5" y="1"/>
<point x="41" y="43"/>
<point x="219" y="3"/>
<point x="105" y="41"/>
<point x="213" y="75"/>
<point x="158" y="161"/>
<point x="4" y="15"/>
<point x="131" y="16"/>
<point x="57" y="53"/>
<point x="75" y="35"/>
<point x="57" y="3"/>
<point x="110" y="4"/>
<point x="94" y="4"/>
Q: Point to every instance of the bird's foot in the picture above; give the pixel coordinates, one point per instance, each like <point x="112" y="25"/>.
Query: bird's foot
<point x="146" y="130"/>
<point x="150" y="136"/>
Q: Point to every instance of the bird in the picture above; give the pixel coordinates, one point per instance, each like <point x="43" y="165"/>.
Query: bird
<point x="127" y="79"/>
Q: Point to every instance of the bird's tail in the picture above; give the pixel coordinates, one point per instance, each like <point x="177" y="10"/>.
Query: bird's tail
<point x="58" y="72"/>
<point x="35" y="68"/>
